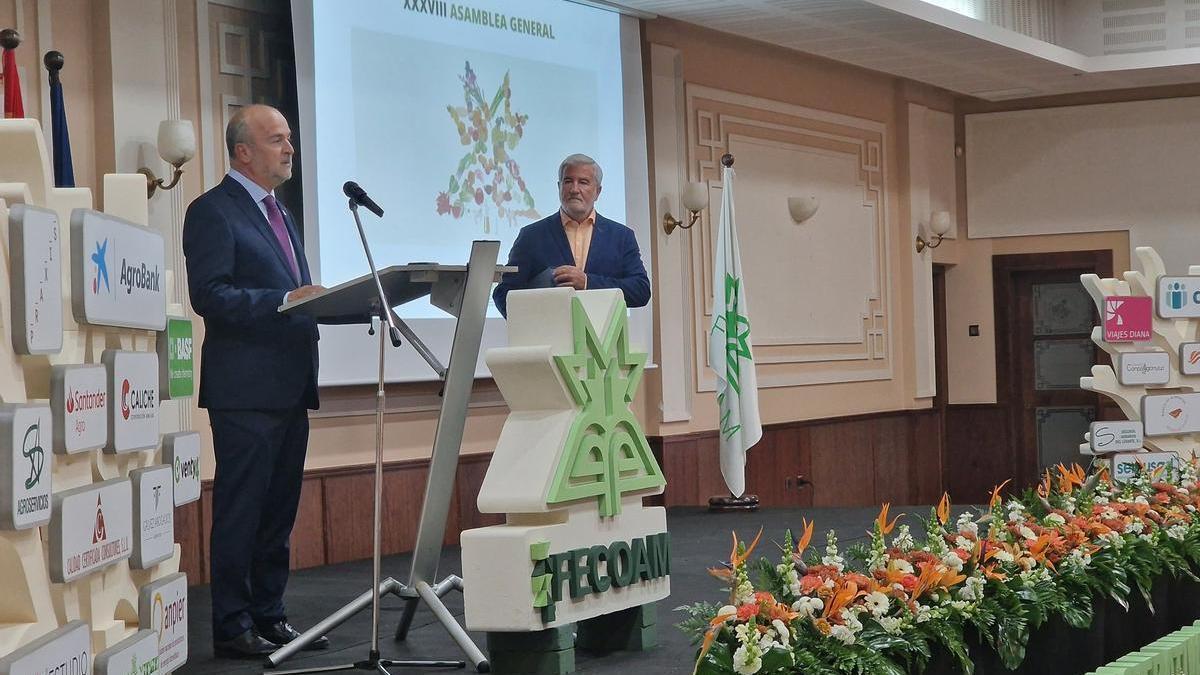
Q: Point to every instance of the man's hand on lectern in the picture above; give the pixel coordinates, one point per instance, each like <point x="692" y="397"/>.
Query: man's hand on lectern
<point x="570" y="275"/>
<point x="304" y="292"/>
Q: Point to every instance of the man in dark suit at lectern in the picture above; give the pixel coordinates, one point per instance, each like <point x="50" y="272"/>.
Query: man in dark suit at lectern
<point x="576" y="246"/>
<point x="258" y="378"/>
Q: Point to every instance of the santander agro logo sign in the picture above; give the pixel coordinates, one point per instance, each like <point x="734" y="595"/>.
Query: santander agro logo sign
<point x="79" y="398"/>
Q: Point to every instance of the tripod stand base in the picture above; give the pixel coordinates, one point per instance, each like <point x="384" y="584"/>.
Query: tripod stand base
<point x="373" y="664"/>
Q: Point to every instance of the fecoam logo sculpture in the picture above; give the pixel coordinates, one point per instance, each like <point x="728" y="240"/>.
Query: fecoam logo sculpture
<point x="570" y="469"/>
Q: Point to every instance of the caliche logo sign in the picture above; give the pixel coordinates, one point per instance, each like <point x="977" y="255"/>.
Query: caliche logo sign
<point x="1178" y="297"/>
<point x="25" y="465"/>
<point x="117" y="272"/>
<point x="92" y="528"/>
<point x="79" y="398"/>
<point x="162" y="606"/>
<point x="133" y="386"/>
<point x="1127" y="318"/>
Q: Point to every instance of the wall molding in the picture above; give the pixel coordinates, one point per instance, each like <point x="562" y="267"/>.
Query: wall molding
<point x="718" y="120"/>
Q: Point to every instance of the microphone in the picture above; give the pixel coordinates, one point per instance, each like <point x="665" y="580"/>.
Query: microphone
<point x="359" y="196"/>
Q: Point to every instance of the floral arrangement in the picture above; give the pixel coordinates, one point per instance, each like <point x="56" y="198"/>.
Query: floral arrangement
<point x="487" y="182"/>
<point x="1000" y="573"/>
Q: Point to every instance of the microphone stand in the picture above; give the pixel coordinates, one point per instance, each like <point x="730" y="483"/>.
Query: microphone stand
<point x="382" y="315"/>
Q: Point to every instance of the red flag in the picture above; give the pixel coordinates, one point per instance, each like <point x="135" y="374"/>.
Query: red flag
<point x="13" y="108"/>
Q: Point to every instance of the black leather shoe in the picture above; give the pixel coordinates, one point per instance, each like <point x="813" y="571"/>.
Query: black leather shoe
<point x="281" y="633"/>
<point x="248" y="645"/>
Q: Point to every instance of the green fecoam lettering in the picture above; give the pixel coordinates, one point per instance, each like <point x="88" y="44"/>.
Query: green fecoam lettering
<point x="599" y="569"/>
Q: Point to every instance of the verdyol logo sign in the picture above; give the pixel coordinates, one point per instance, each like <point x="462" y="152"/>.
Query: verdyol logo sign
<point x="181" y="451"/>
<point x="117" y="272"/>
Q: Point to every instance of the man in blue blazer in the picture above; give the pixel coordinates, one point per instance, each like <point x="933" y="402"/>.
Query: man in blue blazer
<point x="576" y="246"/>
<point x="258" y="378"/>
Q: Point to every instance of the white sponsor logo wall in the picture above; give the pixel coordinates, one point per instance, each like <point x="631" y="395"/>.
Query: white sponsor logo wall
<point x="1144" y="368"/>
<point x="117" y="272"/>
<point x="1168" y="414"/>
<point x="135" y="655"/>
<point x="92" y="528"/>
<point x="181" y="451"/>
<point x="37" y="297"/>
<point x="133" y="393"/>
<point x="153" y="516"/>
<point x="26" y="439"/>
<point x="163" y="608"/>
<point x="79" y="400"/>
<point x="1123" y="436"/>
<point x="66" y="651"/>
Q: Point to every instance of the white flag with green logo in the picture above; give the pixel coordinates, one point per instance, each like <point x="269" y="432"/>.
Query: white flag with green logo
<point x="729" y="349"/>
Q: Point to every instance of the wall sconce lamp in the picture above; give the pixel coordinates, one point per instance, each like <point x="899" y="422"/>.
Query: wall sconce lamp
<point x="939" y="224"/>
<point x="803" y="208"/>
<point x="695" y="200"/>
<point x="176" y="146"/>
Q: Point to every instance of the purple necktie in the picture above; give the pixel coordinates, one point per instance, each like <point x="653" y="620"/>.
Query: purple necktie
<point x="275" y="217"/>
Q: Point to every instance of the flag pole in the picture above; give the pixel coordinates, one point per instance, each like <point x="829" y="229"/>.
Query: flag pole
<point x="10" y="39"/>
<point x="727" y="503"/>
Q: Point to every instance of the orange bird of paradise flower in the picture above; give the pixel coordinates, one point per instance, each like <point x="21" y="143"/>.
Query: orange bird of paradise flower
<point x="995" y="499"/>
<point x="882" y="522"/>
<point x="943" y="509"/>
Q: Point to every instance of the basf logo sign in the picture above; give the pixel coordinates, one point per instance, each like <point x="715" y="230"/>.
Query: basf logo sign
<point x="118" y="272"/>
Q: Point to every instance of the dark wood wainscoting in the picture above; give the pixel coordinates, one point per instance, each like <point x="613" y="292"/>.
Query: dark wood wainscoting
<point x="334" y="521"/>
<point x="902" y="457"/>
<point x="851" y="461"/>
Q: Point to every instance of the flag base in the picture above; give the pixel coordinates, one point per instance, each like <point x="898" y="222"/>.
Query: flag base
<point x="730" y="503"/>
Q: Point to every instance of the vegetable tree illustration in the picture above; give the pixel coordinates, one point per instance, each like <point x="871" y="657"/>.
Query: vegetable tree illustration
<point x="487" y="182"/>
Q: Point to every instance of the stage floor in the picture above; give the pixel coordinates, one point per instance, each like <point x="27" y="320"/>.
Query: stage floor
<point x="699" y="540"/>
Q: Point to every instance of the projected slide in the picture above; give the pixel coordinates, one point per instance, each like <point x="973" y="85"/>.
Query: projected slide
<point x="454" y="117"/>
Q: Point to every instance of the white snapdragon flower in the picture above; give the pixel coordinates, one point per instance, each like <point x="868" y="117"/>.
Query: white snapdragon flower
<point x="1004" y="556"/>
<point x="904" y="539"/>
<point x="1135" y="526"/>
<point x="1177" y="532"/>
<point x="782" y="630"/>
<point x="952" y="561"/>
<point x="924" y="613"/>
<point x="808" y="607"/>
<point x="966" y="524"/>
<point x="842" y="634"/>
<point x="972" y="590"/>
<point x="852" y="622"/>
<point x="891" y="625"/>
<point x="746" y="661"/>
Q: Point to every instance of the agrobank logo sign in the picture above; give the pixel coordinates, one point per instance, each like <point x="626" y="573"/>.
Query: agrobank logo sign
<point x="117" y="272"/>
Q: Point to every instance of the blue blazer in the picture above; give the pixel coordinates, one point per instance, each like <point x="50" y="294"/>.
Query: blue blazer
<point x="613" y="260"/>
<point x="253" y="358"/>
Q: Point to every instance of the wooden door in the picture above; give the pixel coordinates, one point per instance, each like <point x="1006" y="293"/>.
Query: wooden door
<point x="1044" y="320"/>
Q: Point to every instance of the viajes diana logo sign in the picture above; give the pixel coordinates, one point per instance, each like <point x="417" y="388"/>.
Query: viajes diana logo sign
<point x="117" y="272"/>
<point x="1127" y="318"/>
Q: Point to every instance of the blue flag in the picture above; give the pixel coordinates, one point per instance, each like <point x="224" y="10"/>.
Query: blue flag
<point x="64" y="172"/>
